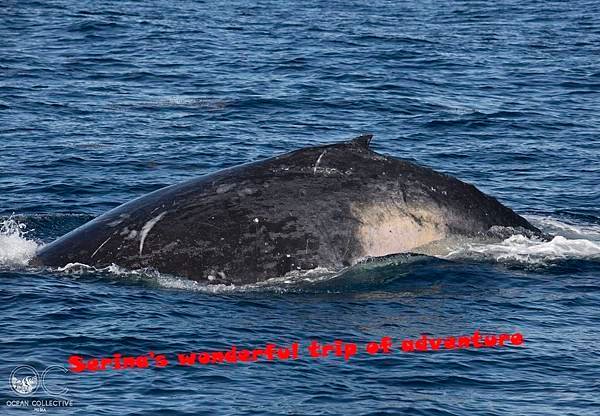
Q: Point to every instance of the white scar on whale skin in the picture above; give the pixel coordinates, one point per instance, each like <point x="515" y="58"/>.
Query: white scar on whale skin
<point x="318" y="161"/>
<point x="101" y="245"/>
<point x="146" y="229"/>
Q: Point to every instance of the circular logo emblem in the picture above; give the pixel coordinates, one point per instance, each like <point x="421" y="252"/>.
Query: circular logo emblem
<point x="24" y="380"/>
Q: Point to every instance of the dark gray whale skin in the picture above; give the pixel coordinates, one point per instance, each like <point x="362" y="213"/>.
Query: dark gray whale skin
<point x="326" y="206"/>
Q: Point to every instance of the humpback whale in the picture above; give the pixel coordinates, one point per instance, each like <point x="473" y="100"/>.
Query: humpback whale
<point x="327" y="206"/>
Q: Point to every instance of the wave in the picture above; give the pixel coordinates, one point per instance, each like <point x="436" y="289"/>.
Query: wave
<point x="371" y="272"/>
<point x="155" y="278"/>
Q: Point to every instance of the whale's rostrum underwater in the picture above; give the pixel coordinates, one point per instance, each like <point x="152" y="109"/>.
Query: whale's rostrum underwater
<point x="327" y="206"/>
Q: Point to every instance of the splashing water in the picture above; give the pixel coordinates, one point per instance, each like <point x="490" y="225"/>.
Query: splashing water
<point x="15" y="248"/>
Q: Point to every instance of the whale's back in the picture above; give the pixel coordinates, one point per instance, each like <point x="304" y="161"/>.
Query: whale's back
<point x="326" y="206"/>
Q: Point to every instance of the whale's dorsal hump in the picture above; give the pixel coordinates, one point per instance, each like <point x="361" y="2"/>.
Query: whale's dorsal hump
<point x="363" y="141"/>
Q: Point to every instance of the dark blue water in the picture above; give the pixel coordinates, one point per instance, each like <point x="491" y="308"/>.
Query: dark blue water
<point x="101" y="102"/>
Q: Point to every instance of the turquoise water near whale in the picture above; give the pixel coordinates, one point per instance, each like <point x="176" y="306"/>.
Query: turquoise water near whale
<point x="101" y="102"/>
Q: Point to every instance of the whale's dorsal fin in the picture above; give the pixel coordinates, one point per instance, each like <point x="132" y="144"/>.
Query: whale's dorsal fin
<point x="362" y="141"/>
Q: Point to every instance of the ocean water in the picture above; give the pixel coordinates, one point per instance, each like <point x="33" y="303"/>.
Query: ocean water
<point x="101" y="102"/>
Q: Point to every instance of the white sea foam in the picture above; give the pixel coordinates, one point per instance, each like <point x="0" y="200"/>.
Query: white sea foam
<point x="15" y="248"/>
<point x="571" y="241"/>
<point x="174" y="282"/>
<point x="567" y="228"/>
<point x="277" y="284"/>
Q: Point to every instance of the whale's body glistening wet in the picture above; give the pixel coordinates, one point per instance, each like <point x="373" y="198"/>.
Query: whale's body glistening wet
<point x="327" y="206"/>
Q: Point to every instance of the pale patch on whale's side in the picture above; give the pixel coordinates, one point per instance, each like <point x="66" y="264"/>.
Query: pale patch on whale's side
<point x="387" y="229"/>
